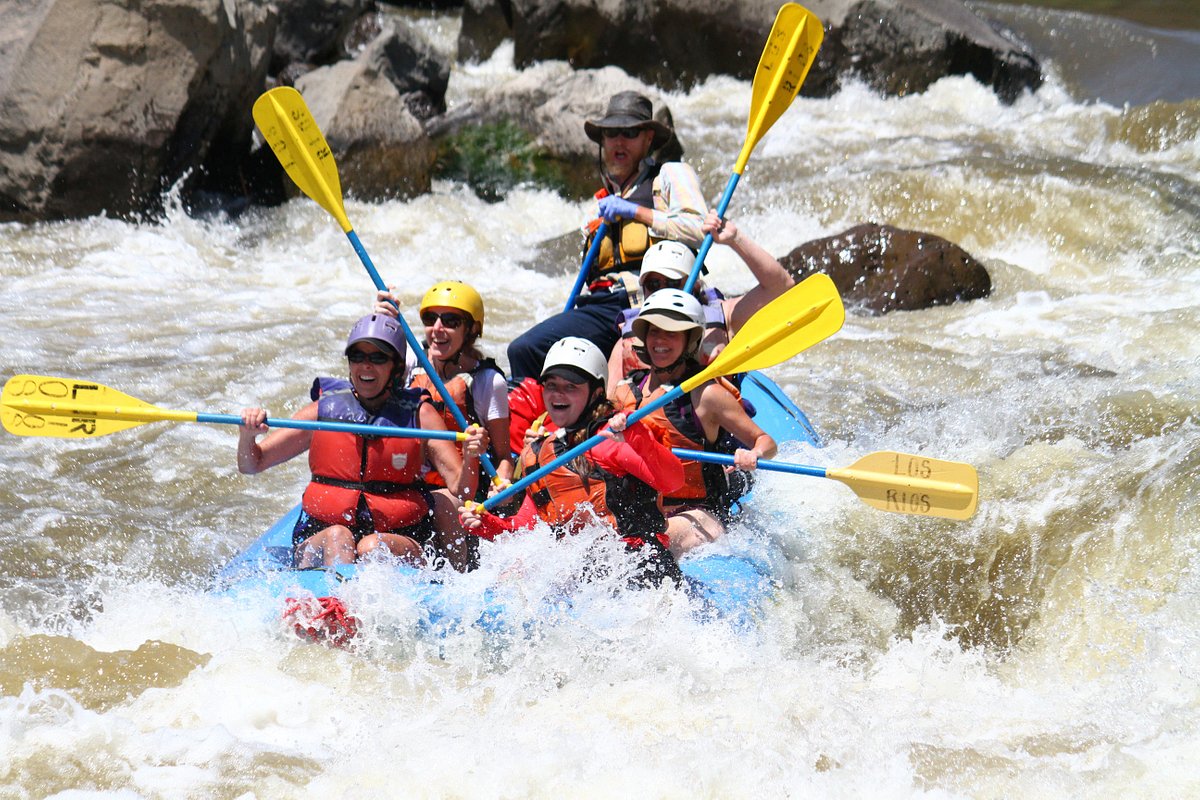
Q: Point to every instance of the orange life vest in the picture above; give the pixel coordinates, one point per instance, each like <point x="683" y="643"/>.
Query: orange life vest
<point x="625" y="503"/>
<point x="459" y="389"/>
<point x="626" y="240"/>
<point x="383" y="471"/>
<point x="676" y="425"/>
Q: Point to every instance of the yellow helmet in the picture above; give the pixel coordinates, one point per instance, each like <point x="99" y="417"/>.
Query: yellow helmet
<point x="455" y="294"/>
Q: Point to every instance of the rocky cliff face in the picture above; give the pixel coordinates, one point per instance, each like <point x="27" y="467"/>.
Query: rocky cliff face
<point x="103" y="105"/>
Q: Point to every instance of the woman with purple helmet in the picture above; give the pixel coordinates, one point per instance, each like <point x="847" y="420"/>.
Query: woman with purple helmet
<point x="366" y="492"/>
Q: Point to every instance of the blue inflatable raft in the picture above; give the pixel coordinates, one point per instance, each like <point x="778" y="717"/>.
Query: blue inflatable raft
<point x="726" y="586"/>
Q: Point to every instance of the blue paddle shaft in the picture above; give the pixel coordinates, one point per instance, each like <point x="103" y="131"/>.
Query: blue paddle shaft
<point x="722" y="458"/>
<point x="582" y="447"/>
<point x="417" y="347"/>
<point x="601" y="232"/>
<point x="339" y="427"/>
<point x="722" y="207"/>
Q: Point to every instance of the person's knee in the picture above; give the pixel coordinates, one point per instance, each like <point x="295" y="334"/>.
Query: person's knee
<point x="366" y="545"/>
<point x="525" y="355"/>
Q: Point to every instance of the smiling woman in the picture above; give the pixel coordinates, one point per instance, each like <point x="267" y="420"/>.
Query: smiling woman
<point x="368" y="493"/>
<point x="617" y="482"/>
<point x="452" y="313"/>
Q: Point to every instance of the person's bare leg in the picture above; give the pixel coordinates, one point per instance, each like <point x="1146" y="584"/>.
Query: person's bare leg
<point x="402" y="547"/>
<point x="329" y="547"/>
<point x="450" y="541"/>
<point x="692" y="528"/>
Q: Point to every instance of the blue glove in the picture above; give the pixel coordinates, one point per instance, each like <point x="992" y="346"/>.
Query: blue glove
<point x="613" y="208"/>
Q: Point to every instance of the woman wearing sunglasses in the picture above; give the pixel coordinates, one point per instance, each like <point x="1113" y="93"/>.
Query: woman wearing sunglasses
<point x="667" y="265"/>
<point x="368" y="493"/>
<point x="452" y="313"/>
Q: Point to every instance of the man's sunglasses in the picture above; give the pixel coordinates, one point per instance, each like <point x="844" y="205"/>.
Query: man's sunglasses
<point x="358" y="357"/>
<point x="449" y="321"/>
<point x="624" y="133"/>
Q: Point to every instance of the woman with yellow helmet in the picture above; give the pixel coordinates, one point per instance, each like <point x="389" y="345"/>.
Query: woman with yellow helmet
<point x="452" y="313"/>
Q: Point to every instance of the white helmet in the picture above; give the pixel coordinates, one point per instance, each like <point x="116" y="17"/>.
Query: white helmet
<point x="672" y="260"/>
<point x="577" y="360"/>
<point x="671" y="310"/>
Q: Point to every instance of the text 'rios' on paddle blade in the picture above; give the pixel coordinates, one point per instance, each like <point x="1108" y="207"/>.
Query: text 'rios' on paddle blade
<point x="913" y="484"/>
<point x="787" y="56"/>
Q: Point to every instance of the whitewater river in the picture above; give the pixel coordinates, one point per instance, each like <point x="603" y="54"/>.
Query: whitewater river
<point x="1048" y="647"/>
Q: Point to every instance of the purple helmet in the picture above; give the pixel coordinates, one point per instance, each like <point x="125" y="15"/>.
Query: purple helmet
<point x="381" y="331"/>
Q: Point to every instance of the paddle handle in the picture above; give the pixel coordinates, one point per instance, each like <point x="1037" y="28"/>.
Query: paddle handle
<point x="339" y="427"/>
<point x="588" y="259"/>
<point x="776" y="466"/>
<point x="417" y="347"/>
<point x="722" y="206"/>
<point x="578" y="449"/>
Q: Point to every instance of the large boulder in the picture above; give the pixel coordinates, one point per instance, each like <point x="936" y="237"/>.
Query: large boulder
<point x="381" y="148"/>
<point x="314" y="31"/>
<point x="896" y="46"/>
<point x="104" y="105"/>
<point x="485" y="24"/>
<point x="879" y="268"/>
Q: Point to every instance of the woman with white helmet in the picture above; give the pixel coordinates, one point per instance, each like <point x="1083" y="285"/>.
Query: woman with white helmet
<point x="668" y="264"/>
<point x="616" y="482"/>
<point x="367" y="492"/>
<point x="710" y="417"/>
<point x="452" y="313"/>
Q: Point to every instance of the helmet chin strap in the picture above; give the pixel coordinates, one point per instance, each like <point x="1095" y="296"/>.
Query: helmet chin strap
<point x="468" y="340"/>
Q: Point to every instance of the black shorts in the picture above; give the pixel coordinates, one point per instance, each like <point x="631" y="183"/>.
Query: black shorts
<point x="421" y="532"/>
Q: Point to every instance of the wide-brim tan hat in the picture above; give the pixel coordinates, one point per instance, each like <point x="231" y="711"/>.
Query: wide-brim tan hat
<point x="628" y="110"/>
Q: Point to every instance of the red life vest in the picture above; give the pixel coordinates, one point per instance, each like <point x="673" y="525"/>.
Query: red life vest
<point x="525" y="404"/>
<point x="384" y="471"/>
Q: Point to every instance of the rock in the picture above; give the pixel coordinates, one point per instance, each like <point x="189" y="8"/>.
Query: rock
<point x="485" y="24"/>
<point x="371" y="109"/>
<point x="879" y="268"/>
<point x="380" y="147"/>
<point x="103" y="106"/>
<point x="314" y="30"/>
<point x="407" y="59"/>
<point x="896" y="46"/>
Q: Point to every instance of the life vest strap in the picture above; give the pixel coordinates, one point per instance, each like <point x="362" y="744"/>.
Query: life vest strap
<point x="370" y="487"/>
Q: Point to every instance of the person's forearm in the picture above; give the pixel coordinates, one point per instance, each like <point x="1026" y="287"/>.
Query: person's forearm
<point x="766" y="269"/>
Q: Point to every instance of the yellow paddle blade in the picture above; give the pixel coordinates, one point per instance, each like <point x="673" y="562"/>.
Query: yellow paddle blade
<point x="787" y="56"/>
<point x="809" y="312"/>
<point x="909" y="484"/>
<point x="284" y="120"/>
<point x="39" y="405"/>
